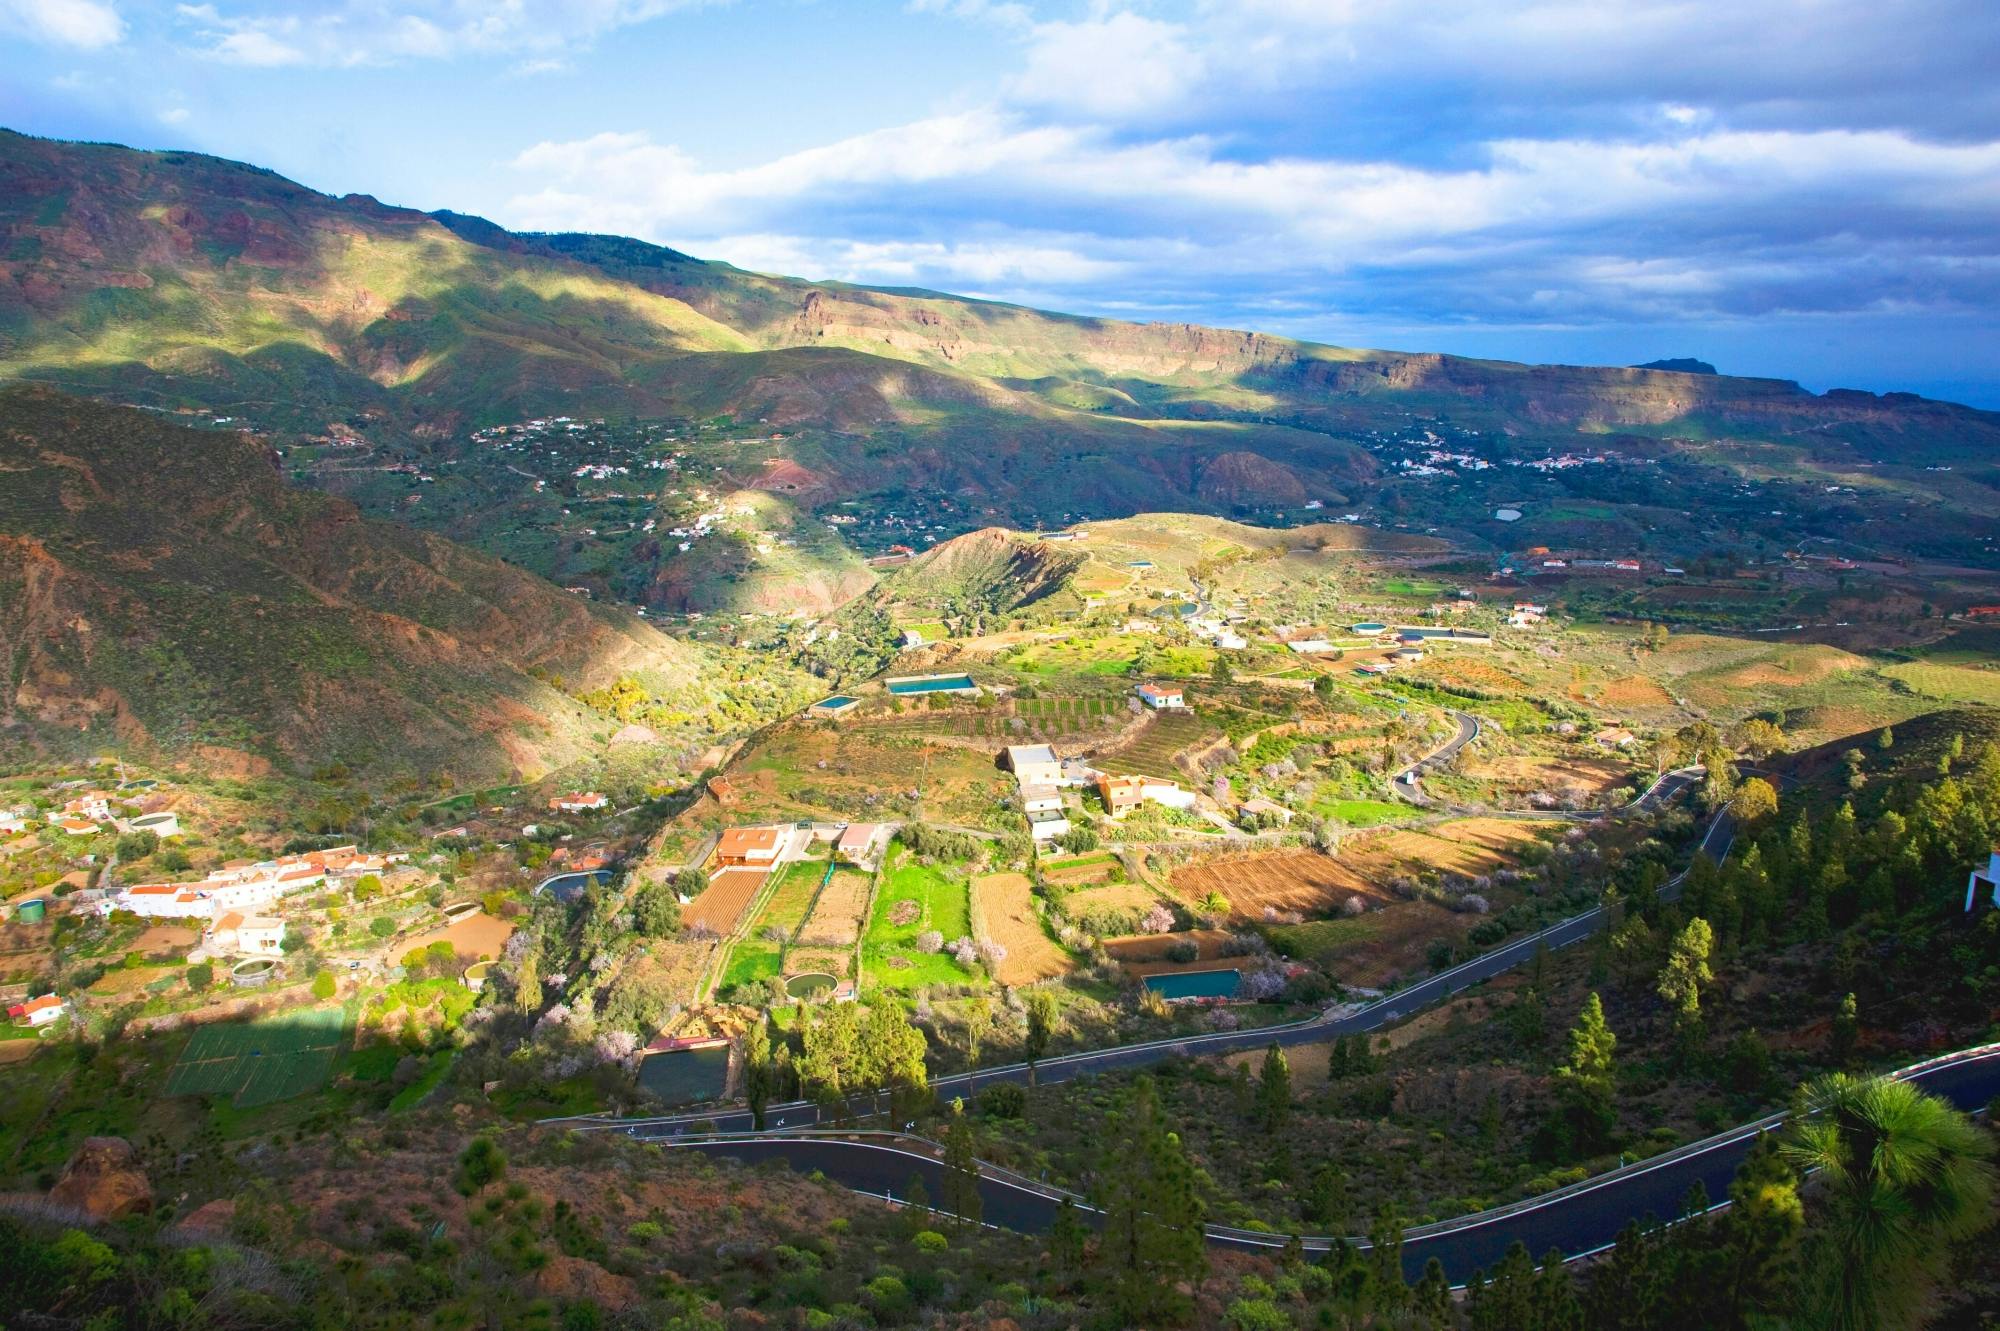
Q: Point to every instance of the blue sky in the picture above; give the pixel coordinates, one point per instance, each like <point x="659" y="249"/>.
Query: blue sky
<point x="1808" y="189"/>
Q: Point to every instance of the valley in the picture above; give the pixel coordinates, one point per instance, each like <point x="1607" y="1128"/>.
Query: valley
<point x="500" y="725"/>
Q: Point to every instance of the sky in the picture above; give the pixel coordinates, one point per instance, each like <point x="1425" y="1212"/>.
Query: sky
<point x="1805" y="189"/>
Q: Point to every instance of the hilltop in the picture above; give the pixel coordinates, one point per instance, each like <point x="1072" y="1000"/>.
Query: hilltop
<point x="166" y="592"/>
<point x="368" y="341"/>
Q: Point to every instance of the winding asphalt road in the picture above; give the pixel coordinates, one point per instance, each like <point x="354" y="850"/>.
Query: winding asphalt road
<point x="1577" y="1221"/>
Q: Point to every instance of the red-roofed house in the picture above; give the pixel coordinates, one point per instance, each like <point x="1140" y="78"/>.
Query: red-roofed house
<point x="1161" y="697"/>
<point x="38" y="1011"/>
<point x="748" y="848"/>
<point x="583" y="802"/>
<point x="859" y="842"/>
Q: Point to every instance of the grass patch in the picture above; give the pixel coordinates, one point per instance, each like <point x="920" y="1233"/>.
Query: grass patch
<point x="941" y="903"/>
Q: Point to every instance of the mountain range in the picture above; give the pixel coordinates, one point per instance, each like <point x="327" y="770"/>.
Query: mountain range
<point x="321" y="330"/>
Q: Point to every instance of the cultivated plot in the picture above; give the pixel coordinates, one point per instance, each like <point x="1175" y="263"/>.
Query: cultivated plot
<point x="259" y="1062"/>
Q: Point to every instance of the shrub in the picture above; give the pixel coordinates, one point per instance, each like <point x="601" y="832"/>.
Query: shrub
<point x="929" y="1240"/>
<point x="323" y="985"/>
<point x="381" y="926"/>
<point x="1183" y="949"/>
<point x="1003" y="1100"/>
<point x="200" y="977"/>
<point x="930" y="940"/>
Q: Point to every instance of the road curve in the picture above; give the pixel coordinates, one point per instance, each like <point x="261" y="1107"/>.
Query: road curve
<point x="1577" y="1221"/>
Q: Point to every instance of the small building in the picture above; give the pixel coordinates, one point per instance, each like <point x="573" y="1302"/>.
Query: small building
<point x="1984" y="883"/>
<point x="1259" y="807"/>
<point x="1162" y="697"/>
<point x="1310" y="646"/>
<point x="912" y="638"/>
<point x="12" y="823"/>
<point x="1373" y="668"/>
<point x="1033" y="764"/>
<point x="582" y="802"/>
<point x="1616" y="737"/>
<point x="1167" y="793"/>
<point x="1038" y="798"/>
<point x="1047" y="828"/>
<point x="748" y="847"/>
<point x="37" y="1012"/>
<point x="859" y="843"/>
<point x="77" y="826"/>
<point x="1121" y="792"/>
<point x="248" y="935"/>
<point x="722" y="791"/>
<point x="832" y="709"/>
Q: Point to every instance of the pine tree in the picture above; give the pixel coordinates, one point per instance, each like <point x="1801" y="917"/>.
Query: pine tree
<point x="757" y="1070"/>
<point x="1846" y="1032"/>
<point x="1274" y="1091"/>
<point x="1588" y="1079"/>
<point x="961" y="1169"/>
<point x="1067" y="1239"/>
<point x="1153" y="1241"/>
<point x="1683" y="976"/>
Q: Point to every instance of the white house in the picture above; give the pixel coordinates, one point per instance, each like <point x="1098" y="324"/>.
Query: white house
<point x="1162" y="697"/>
<point x="1046" y="828"/>
<point x="167" y="901"/>
<point x="13" y="823"/>
<point x="38" y="1012"/>
<point x="248" y="935"/>
<point x="1034" y="764"/>
<point x="1984" y="883"/>
<point x="583" y="802"/>
<point x="1040" y="799"/>
<point x="1166" y="793"/>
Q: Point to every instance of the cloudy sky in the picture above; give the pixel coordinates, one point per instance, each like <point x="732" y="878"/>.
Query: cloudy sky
<point x="1801" y="188"/>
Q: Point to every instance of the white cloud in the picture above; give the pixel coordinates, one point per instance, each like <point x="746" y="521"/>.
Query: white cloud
<point x="1112" y="65"/>
<point x="993" y="200"/>
<point x="370" y="32"/>
<point x="86" y="24"/>
<point x="174" y="115"/>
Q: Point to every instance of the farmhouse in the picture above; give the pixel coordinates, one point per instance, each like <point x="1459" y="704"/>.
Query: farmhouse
<point x="1121" y="792"/>
<point x="77" y="826"/>
<point x="583" y="802"/>
<point x="37" y="1012"/>
<point x="1616" y="737"/>
<point x="748" y="848"/>
<point x="248" y="935"/>
<point x="1161" y="697"/>
<point x="859" y="843"/>
<point x="1033" y="764"/>
<point x="12" y="823"/>
<point x="1047" y="827"/>
<point x="158" y="901"/>
<point x="1259" y="807"/>
<point x="1037" y="798"/>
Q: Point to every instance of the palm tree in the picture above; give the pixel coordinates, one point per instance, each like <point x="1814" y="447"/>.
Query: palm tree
<point x="1902" y="1174"/>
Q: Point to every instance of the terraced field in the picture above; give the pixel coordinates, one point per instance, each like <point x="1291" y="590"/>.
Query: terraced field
<point x="1152" y="752"/>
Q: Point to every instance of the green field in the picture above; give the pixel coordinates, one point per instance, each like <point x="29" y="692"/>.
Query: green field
<point x="1948" y="683"/>
<point x="792" y="897"/>
<point x="256" y="1063"/>
<point x="889" y="950"/>
<point x="750" y="963"/>
<point x="1360" y="813"/>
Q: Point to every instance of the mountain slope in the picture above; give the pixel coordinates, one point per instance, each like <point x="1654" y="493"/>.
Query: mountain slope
<point x="179" y="280"/>
<point x="160" y="588"/>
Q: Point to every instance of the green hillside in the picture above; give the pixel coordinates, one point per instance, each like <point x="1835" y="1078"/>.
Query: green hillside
<point x="163" y="592"/>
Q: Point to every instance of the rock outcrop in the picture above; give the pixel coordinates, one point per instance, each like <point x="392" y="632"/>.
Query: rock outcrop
<point x="104" y="1180"/>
